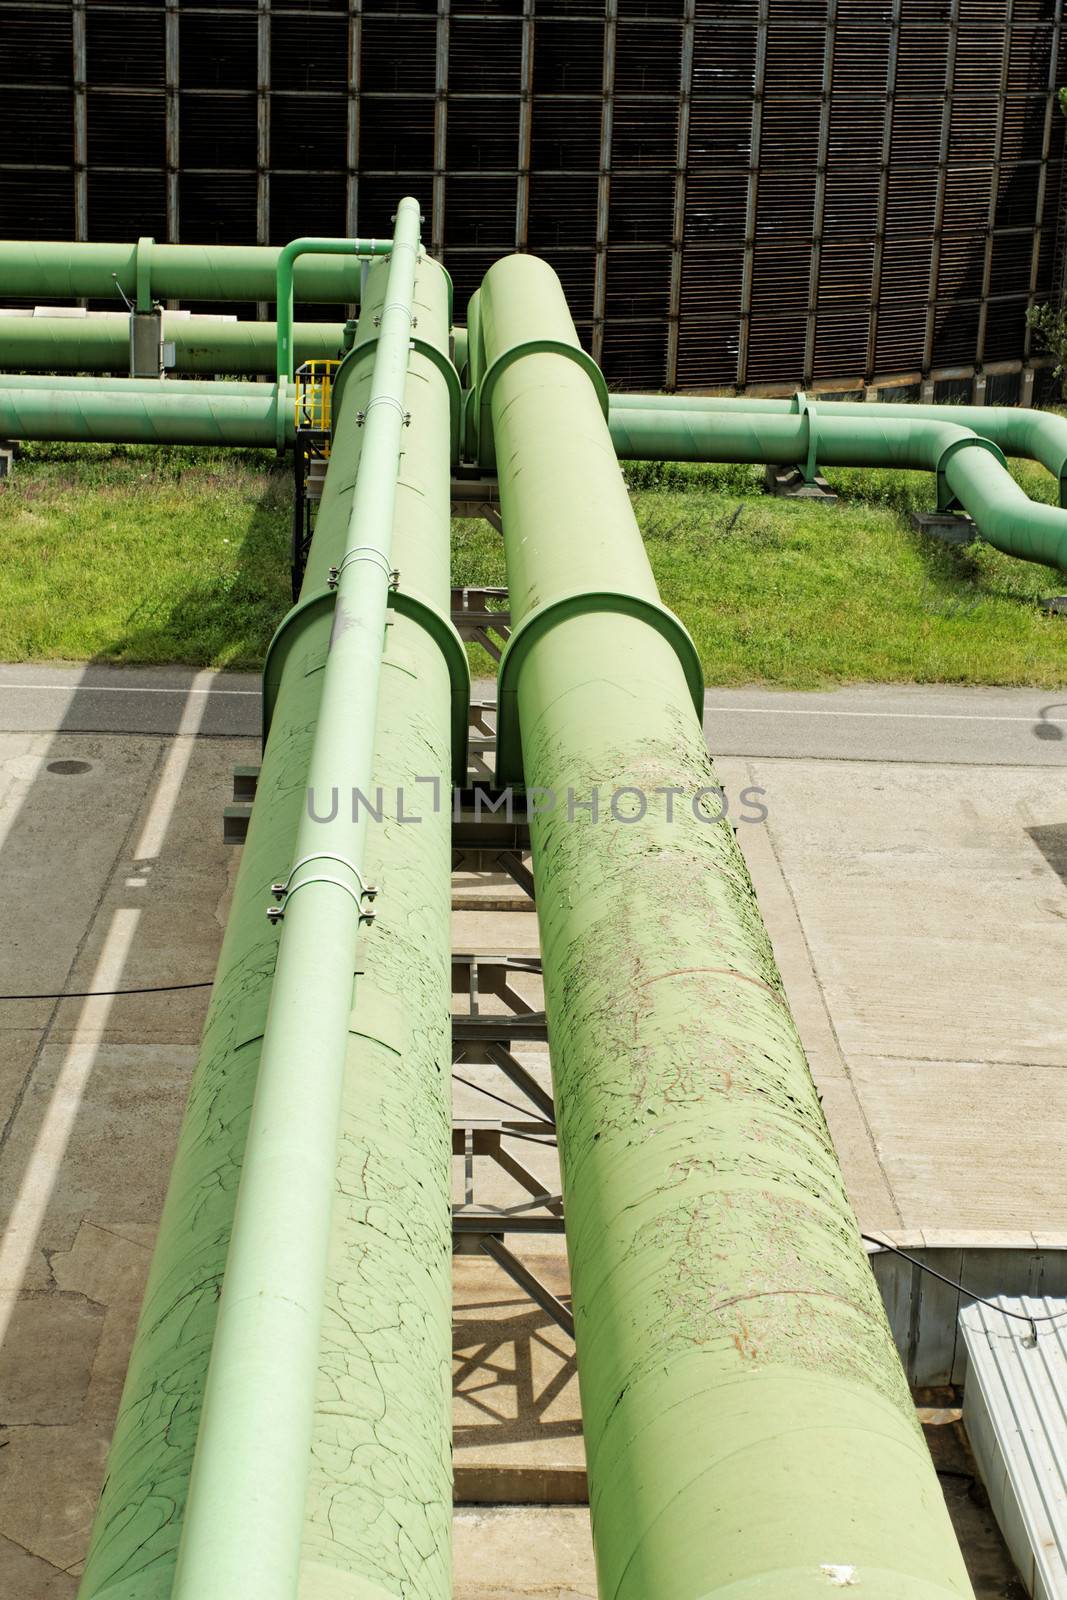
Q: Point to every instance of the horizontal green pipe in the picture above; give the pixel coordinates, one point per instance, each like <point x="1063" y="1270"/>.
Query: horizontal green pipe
<point x="51" y="271"/>
<point x="1019" y="430"/>
<point x="888" y="437"/>
<point x="100" y="342"/>
<point x="160" y="413"/>
<point x="748" y="1427"/>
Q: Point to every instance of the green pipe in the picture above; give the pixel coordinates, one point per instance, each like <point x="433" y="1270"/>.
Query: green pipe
<point x="100" y="342"/>
<point x="1018" y="430"/>
<point x="971" y="470"/>
<point x="160" y="413"/>
<point x="244" y="1518"/>
<point x="283" y="292"/>
<point x="147" y="271"/>
<point x="748" y="1427"/>
<point x="391" y="1167"/>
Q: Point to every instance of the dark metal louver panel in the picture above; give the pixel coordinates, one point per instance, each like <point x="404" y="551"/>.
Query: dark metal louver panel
<point x="734" y="192"/>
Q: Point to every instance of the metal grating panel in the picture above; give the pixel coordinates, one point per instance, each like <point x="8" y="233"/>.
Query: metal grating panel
<point x="1015" y="1413"/>
<point x="736" y="192"/>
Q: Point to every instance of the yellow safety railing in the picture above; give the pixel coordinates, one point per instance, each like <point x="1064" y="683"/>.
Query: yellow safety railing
<point x="314" y="391"/>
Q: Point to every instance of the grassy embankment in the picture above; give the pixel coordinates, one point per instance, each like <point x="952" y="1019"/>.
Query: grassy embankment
<point x="150" y="555"/>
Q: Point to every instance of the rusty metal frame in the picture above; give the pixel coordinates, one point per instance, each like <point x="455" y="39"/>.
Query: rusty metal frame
<point x="171" y="24"/>
<point x="476" y="621"/>
<point x="81" y="124"/>
<point x="762" y="26"/>
<point x="819" y="208"/>
<point x="352" y="122"/>
<point x="994" y="187"/>
<point x="883" y="189"/>
<point x="522" y="183"/>
<point x="440" y="126"/>
<point x="1042" y="182"/>
<point x="942" y="184"/>
<point x="263" y="169"/>
<point x="603" y="193"/>
<point x="685" y="97"/>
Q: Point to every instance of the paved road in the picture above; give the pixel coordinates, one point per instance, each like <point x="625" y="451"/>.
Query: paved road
<point x="914" y="723"/>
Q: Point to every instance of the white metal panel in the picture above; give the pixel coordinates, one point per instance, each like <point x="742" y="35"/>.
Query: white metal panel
<point x="1015" y="1413"/>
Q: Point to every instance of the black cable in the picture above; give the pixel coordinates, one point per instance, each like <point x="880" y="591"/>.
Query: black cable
<point x="107" y="994"/>
<point x="1020" y="1316"/>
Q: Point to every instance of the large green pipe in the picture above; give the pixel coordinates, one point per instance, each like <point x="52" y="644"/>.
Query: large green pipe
<point x="378" y="1501"/>
<point x="1018" y="430"/>
<point x="244" y="1519"/>
<point x="973" y="470"/>
<point x="748" y="1428"/>
<point x="147" y="271"/>
<point x="146" y="411"/>
<point x="100" y="342"/>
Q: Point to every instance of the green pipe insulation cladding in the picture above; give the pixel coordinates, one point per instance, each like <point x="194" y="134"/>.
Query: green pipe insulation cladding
<point x="970" y="468"/>
<point x="146" y="411"/>
<point x="748" y="1428"/>
<point x="147" y="271"/>
<point x="359" y="1407"/>
<point x="100" y="342"/>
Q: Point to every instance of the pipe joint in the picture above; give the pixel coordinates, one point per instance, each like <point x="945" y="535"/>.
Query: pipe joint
<point x="482" y="447"/>
<point x="806" y="408"/>
<point x="441" y="629"/>
<point x="541" y="620"/>
<point x="947" y="499"/>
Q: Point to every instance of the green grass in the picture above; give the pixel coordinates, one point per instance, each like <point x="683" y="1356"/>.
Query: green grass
<point x="139" y="554"/>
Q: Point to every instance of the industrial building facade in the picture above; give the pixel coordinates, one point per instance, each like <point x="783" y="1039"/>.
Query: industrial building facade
<point x="735" y="193"/>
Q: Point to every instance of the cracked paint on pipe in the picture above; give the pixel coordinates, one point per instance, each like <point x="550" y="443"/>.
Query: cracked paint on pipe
<point x="378" y="1506"/>
<point x="748" y="1426"/>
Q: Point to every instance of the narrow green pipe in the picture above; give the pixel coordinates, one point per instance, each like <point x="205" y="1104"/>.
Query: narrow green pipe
<point x="390" y="1221"/>
<point x="283" y="292"/>
<point x="889" y="436"/>
<point x="100" y="342"/>
<point x="148" y="271"/>
<point x="1018" y="430"/>
<point x="119" y="411"/>
<point x="244" y="1519"/>
<point x="748" y="1427"/>
<point x="379" y="1502"/>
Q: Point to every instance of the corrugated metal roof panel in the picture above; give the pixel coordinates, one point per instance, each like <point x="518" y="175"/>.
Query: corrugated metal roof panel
<point x="1015" y="1413"/>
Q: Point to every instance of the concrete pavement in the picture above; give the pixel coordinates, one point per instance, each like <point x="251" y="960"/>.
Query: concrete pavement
<point x="911" y="869"/>
<point x="864" y="722"/>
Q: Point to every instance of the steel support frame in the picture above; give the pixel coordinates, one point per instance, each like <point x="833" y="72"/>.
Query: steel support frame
<point x="522" y="188"/>
<point x="603" y="196"/>
<point x="883" y="192"/>
<point x="685" y="97"/>
<point x="942" y="185"/>
<point x="1051" y="108"/>
<point x="748" y="264"/>
<point x="978" y="391"/>
<point x="819" y="208"/>
<point x="440" y="127"/>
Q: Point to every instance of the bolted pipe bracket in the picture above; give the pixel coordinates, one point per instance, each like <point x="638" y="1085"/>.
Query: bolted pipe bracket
<point x="283" y="892"/>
